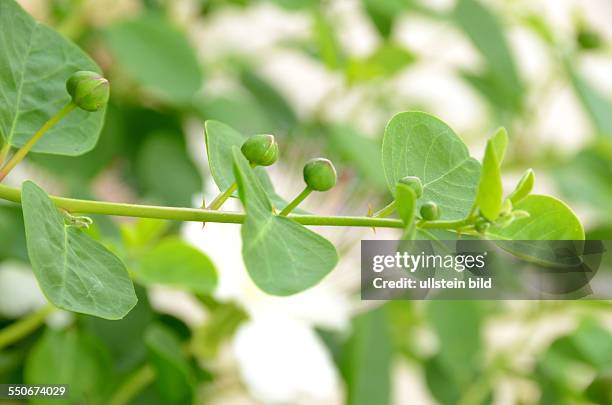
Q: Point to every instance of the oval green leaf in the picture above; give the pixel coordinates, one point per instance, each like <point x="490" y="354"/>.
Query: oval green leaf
<point x="36" y="62"/>
<point x="175" y="263"/>
<point x="419" y="144"/>
<point x="550" y="219"/>
<point x="281" y="256"/>
<point x="75" y="272"/>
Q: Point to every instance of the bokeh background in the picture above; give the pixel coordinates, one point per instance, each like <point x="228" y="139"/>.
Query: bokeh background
<point x="325" y="77"/>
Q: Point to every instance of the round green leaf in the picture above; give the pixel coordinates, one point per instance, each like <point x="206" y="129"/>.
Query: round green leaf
<point x="419" y="144"/>
<point x="35" y="64"/>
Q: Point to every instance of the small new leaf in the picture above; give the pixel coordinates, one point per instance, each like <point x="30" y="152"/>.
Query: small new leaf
<point x="406" y="198"/>
<point x="490" y="191"/>
<point x="523" y="188"/>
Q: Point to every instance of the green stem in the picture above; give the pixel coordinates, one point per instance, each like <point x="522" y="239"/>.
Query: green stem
<point x="193" y="214"/>
<point x="23" y="151"/>
<point x="24" y="326"/>
<point x="385" y="211"/>
<point x="296" y="201"/>
<point x="454" y="225"/>
<point x="134" y="384"/>
<point x="207" y="215"/>
<point x="6" y="148"/>
<point x="221" y="198"/>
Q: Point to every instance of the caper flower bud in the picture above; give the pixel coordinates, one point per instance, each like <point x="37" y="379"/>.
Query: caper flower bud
<point x="320" y="174"/>
<point x="261" y="150"/>
<point x="481" y="225"/>
<point x="414" y="183"/>
<point x="430" y="211"/>
<point x="89" y="90"/>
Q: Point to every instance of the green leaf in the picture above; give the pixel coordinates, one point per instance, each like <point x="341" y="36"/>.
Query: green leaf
<point x="69" y="357"/>
<point x="36" y="62"/>
<point x="458" y="326"/>
<point x="500" y="81"/>
<point x="158" y="56"/>
<point x="595" y="344"/>
<point x="175" y="263"/>
<point x="12" y="234"/>
<point x="279" y="110"/>
<point x="220" y="139"/>
<point x="328" y="47"/>
<point x="295" y="5"/>
<point x="124" y="338"/>
<point x="406" y="201"/>
<point x="550" y="219"/>
<point x="366" y="360"/>
<point x="240" y="110"/>
<point x="490" y="189"/>
<point x="282" y="256"/>
<point x="388" y="60"/>
<point x="523" y="188"/>
<point x="74" y="272"/>
<point x="173" y="375"/>
<point x="360" y="152"/>
<point x="585" y="178"/>
<point x="166" y="171"/>
<point x="419" y="144"/>
<point x="441" y="382"/>
<point x="383" y="13"/>
<point x="597" y="106"/>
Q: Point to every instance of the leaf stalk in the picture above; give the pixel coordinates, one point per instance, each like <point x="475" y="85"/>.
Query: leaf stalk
<point x="385" y="211"/>
<point x="23" y="151"/>
<point x="296" y="201"/>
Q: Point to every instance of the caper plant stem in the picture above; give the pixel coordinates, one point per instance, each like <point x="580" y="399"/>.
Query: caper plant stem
<point x="23" y="151"/>
<point x="206" y="215"/>
<point x="385" y="211"/>
<point x="133" y="385"/>
<point x="453" y="225"/>
<point x="221" y="198"/>
<point x="296" y="201"/>
<point x="24" y="326"/>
